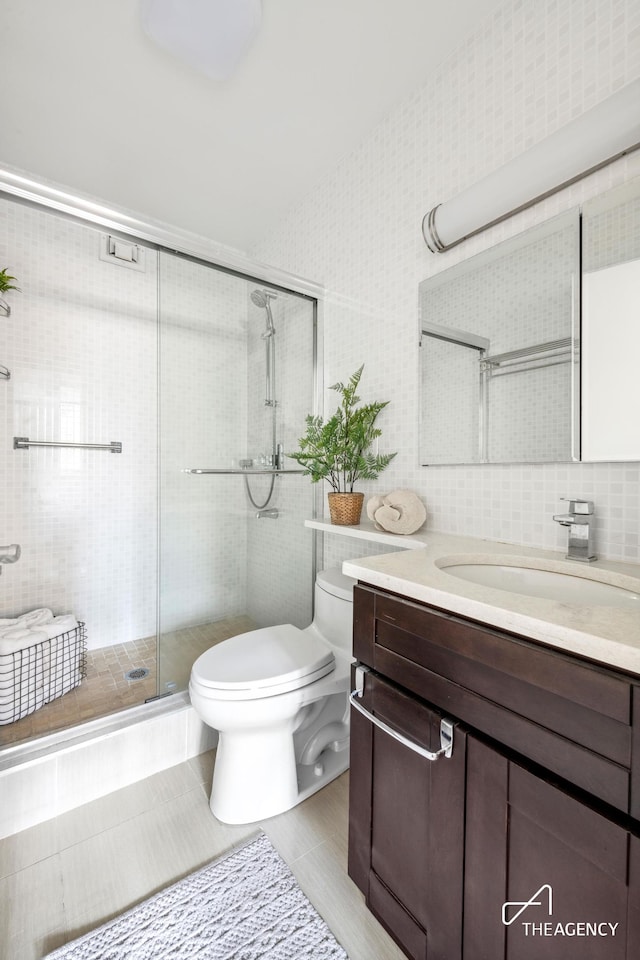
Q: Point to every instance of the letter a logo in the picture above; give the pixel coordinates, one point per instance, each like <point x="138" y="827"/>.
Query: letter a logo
<point x="523" y="904"/>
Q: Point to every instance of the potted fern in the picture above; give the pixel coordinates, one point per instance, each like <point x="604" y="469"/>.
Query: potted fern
<point x="339" y="450"/>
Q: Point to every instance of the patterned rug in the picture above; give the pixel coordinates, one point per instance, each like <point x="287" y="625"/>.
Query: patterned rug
<point x="244" y="906"/>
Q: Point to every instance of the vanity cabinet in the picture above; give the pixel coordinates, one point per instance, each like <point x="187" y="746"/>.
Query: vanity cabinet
<point x="406" y="843"/>
<point x="538" y="801"/>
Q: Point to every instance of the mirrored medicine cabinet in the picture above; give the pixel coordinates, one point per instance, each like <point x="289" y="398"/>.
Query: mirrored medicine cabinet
<point x="530" y="351"/>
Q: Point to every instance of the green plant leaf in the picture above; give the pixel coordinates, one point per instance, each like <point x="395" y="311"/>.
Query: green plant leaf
<point x="5" y="281"/>
<point x="338" y="450"/>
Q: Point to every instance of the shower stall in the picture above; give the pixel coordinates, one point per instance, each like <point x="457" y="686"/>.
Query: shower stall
<point x="150" y="398"/>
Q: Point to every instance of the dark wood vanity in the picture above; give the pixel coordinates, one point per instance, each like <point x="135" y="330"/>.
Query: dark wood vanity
<point x="524" y="844"/>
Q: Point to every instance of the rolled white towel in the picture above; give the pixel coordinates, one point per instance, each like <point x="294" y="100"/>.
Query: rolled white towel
<point x="35" y="617"/>
<point x="11" y="643"/>
<point x="401" y="512"/>
<point x="374" y="503"/>
<point x="14" y="632"/>
<point x="58" y="625"/>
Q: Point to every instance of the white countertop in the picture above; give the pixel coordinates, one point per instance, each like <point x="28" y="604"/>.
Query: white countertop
<point x="606" y="634"/>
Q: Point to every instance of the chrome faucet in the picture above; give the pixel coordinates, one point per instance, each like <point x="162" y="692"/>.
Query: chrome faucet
<point x="580" y="521"/>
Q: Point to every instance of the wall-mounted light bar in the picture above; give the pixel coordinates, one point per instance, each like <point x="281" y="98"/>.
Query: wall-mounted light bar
<point x="596" y="138"/>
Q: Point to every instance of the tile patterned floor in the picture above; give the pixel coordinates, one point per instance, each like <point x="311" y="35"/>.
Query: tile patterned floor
<point x="106" y="689"/>
<point x="64" y="877"/>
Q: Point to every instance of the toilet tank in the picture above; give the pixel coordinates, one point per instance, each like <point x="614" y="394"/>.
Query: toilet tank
<point x="334" y="607"/>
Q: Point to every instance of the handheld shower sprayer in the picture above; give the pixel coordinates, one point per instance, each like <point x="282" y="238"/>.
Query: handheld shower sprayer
<point x="261" y="299"/>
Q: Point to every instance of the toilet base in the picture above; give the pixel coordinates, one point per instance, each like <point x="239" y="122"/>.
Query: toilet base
<point x="254" y="776"/>
<point x="310" y="780"/>
<point x="259" y="806"/>
<point x="261" y="774"/>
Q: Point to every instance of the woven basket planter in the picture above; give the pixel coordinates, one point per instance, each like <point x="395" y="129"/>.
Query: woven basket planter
<point x="345" y="508"/>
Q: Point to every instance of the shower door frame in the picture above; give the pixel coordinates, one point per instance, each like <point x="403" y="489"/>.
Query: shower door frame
<point x="19" y="188"/>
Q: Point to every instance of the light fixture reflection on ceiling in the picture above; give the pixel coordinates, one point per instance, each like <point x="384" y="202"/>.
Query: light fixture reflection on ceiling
<point x="596" y="138"/>
<point x="209" y="35"/>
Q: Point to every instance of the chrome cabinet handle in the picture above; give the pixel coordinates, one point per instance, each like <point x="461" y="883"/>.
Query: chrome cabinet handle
<point x="446" y="726"/>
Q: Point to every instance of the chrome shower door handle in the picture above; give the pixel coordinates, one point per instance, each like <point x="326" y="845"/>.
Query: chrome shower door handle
<point x="446" y="726"/>
<point x="10" y="553"/>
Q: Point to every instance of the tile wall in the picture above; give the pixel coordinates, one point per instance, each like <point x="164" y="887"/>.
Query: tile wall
<point x="529" y="70"/>
<point x="81" y="345"/>
<point x="280" y="552"/>
<point x="203" y="417"/>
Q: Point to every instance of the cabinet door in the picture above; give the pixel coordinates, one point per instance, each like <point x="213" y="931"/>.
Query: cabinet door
<point x="546" y="875"/>
<point x="407" y="823"/>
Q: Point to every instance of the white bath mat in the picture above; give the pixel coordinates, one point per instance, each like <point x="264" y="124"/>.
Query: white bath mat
<point x="245" y="906"/>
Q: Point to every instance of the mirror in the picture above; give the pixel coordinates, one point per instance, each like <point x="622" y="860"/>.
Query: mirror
<point x="611" y="325"/>
<point x="499" y="352"/>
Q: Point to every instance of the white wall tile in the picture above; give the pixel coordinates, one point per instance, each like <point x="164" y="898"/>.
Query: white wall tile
<point x="530" y="69"/>
<point x="81" y="344"/>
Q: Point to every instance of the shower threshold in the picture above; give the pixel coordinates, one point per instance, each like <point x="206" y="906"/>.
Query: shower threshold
<point x="31" y="750"/>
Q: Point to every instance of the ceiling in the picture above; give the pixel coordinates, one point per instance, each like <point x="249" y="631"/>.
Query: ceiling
<point x="96" y="106"/>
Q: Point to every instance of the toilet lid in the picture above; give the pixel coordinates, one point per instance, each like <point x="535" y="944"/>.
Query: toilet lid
<point x="263" y="663"/>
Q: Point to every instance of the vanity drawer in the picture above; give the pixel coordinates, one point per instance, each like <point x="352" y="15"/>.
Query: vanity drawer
<point x="567" y="715"/>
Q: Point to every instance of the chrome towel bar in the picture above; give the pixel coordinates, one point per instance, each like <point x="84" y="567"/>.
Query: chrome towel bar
<point x="23" y="443"/>
<point x="446" y="726"/>
<point x="262" y="471"/>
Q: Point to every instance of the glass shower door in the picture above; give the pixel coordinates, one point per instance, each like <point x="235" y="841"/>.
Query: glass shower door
<point x="235" y="387"/>
<point x="81" y="347"/>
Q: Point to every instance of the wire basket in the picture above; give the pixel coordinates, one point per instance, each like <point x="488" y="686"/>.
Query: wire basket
<point x="36" y="675"/>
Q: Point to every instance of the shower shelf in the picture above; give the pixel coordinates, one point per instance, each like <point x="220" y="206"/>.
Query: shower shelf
<point x="239" y="470"/>
<point x="366" y="530"/>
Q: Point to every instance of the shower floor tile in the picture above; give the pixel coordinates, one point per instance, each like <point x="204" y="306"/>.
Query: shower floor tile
<point x="106" y="689"/>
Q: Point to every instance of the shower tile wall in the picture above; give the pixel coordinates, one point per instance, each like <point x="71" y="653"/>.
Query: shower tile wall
<point x="279" y="555"/>
<point x="527" y="72"/>
<point x="203" y="404"/>
<point x="81" y="345"/>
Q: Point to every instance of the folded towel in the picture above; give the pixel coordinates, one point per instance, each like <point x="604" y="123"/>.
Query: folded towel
<point x="25" y="632"/>
<point x="35" y="617"/>
<point x="20" y="639"/>
<point x="31" y="619"/>
<point x="58" y="625"/>
<point x="15" y="632"/>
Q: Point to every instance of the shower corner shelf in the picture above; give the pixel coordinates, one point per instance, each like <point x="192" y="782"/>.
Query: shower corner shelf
<point x="366" y="530"/>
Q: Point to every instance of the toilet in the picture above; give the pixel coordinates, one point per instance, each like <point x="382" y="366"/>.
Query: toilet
<point x="278" y="697"/>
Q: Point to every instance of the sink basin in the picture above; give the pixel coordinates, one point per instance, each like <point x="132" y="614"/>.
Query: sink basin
<point x="563" y="587"/>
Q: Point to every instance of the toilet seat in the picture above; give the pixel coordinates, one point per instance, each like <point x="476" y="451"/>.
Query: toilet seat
<point x="262" y="663"/>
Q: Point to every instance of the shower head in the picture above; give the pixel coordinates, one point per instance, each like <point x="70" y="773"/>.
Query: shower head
<point x="261" y="299"/>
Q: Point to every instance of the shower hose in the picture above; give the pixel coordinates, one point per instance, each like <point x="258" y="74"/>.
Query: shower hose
<point x="260" y="506"/>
